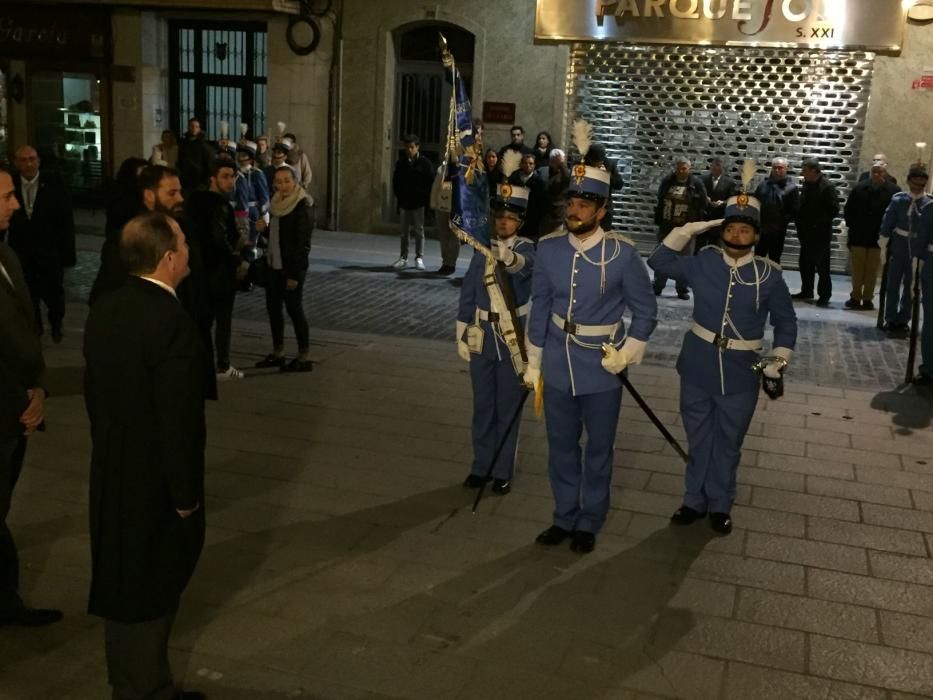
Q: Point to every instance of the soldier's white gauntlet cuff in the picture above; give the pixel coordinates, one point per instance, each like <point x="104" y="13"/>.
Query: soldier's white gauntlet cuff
<point x="784" y="353"/>
<point x="634" y="350"/>
<point x="461" y="329"/>
<point x="534" y="354"/>
<point x="518" y="262"/>
<point x="678" y="239"/>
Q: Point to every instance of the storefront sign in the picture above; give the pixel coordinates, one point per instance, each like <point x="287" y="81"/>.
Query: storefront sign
<point x="925" y="81"/>
<point x="498" y="112"/>
<point x="823" y="24"/>
<point x="58" y="32"/>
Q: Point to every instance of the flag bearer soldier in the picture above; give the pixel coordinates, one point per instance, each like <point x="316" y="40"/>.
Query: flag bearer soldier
<point x="482" y="323"/>
<point x="584" y="279"/>
<point x="899" y="231"/>
<point x="735" y="293"/>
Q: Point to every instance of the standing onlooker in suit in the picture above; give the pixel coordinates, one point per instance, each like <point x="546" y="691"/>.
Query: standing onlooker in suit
<point x="780" y="200"/>
<point x="864" y="212"/>
<point x="42" y="233"/>
<point x="557" y="180"/>
<point x="287" y="260"/>
<point x="595" y="157"/>
<point x="411" y="184"/>
<point x="819" y="205"/>
<point x="195" y="157"/>
<point x="517" y="143"/>
<point x="719" y="187"/>
<point x="878" y="158"/>
<point x="527" y="176"/>
<point x="681" y="199"/>
<point x="22" y="409"/>
<point x="144" y="396"/>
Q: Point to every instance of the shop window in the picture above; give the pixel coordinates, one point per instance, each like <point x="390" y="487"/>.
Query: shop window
<point x="218" y="73"/>
<point x="67" y="127"/>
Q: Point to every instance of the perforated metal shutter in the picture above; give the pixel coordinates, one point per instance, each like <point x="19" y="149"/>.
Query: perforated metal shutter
<point x="650" y="104"/>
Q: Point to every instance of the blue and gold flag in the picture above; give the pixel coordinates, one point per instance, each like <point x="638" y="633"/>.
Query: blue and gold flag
<point x="469" y="209"/>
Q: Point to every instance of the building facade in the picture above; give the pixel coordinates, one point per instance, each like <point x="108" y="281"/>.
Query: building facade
<point x="361" y="74"/>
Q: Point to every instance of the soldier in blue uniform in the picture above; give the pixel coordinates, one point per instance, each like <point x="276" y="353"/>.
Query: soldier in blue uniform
<point x="482" y="332"/>
<point x="899" y="230"/>
<point x="734" y="294"/>
<point x="251" y="199"/>
<point x="585" y="278"/>
<point x="924" y="251"/>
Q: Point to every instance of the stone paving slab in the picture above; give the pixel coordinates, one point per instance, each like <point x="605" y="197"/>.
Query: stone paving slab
<point x="342" y="560"/>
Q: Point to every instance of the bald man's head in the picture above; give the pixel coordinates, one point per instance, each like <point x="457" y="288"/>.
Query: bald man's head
<point x="26" y="161"/>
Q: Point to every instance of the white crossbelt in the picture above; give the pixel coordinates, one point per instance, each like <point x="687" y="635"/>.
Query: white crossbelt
<point x="572" y="328"/>
<point x="902" y="232"/>
<point x="484" y="315"/>
<point x="723" y="342"/>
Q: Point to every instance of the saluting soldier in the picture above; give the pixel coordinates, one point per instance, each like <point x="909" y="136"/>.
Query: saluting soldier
<point x="734" y="294"/>
<point x="584" y="280"/>
<point x="485" y="325"/>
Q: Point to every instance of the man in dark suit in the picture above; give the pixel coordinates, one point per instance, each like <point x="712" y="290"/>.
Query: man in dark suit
<point x="22" y="409"/>
<point x="144" y="391"/>
<point x="596" y="158"/>
<point x="719" y="187"/>
<point x="42" y="233"/>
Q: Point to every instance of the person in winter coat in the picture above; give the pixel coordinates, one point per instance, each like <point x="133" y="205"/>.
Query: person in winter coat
<point x="864" y="212"/>
<point x="681" y="199"/>
<point x="780" y="200"/>
<point x="195" y="157"/>
<point x="819" y="205"/>
<point x="290" y="232"/>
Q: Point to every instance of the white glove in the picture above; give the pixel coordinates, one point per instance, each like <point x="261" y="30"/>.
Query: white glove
<point x="772" y="370"/>
<point x="883" y="245"/>
<point x="631" y="353"/>
<point x="531" y="377"/>
<point x="695" y="228"/>
<point x="501" y="252"/>
<point x="463" y="350"/>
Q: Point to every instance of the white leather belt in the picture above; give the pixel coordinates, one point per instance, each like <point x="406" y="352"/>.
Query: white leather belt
<point x="572" y="328"/>
<point x="902" y="232"/>
<point x="484" y="315"/>
<point x="725" y="343"/>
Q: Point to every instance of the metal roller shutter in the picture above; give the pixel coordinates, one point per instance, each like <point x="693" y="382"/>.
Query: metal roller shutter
<point x="649" y="104"/>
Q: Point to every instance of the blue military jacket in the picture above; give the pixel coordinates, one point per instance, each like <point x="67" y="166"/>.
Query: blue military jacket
<point x="590" y="283"/>
<point x="903" y="214"/>
<point x="924" y="249"/>
<point x="732" y="299"/>
<point x="251" y="193"/>
<point x="474" y="296"/>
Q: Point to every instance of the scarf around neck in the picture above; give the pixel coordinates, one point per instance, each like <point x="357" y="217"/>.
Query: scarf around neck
<point x="283" y="206"/>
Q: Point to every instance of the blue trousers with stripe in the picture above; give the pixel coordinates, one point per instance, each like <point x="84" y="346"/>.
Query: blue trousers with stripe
<point x="581" y="477"/>
<point x="497" y="391"/>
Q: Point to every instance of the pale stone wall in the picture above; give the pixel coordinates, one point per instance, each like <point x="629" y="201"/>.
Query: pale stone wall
<point x="899" y="116"/>
<point x="507" y="67"/>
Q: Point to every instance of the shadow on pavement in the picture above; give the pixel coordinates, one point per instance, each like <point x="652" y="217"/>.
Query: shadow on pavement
<point x="65" y="381"/>
<point x="369" y="268"/>
<point x="911" y="405"/>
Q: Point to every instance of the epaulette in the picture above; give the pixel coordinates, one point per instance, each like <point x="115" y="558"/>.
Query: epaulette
<point x="616" y="236"/>
<point x="555" y="234"/>
<point x="773" y="264"/>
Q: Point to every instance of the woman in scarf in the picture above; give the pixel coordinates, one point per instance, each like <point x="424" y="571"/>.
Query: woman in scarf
<point x="287" y="265"/>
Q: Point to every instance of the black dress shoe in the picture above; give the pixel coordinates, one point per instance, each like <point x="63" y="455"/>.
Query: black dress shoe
<point x="582" y="541"/>
<point x="802" y="296"/>
<point x="853" y="303"/>
<point x="868" y="306"/>
<point x="823" y="303"/>
<point x="552" y="536"/>
<point x="297" y="365"/>
<point x="474" y="481"/>
<point x="271" y="360"/>
<point x="191" y="695"/>
<point x="683" y="295"/>
<point x="721" y="522"/>
<point x="501" y="486"/>
<point x="446" y="270"/>
<point x="30" y="617"/>
<point x="685" y="515"/>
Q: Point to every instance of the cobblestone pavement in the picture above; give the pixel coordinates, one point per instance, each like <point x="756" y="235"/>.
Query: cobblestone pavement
<point x="351" y="288"/>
